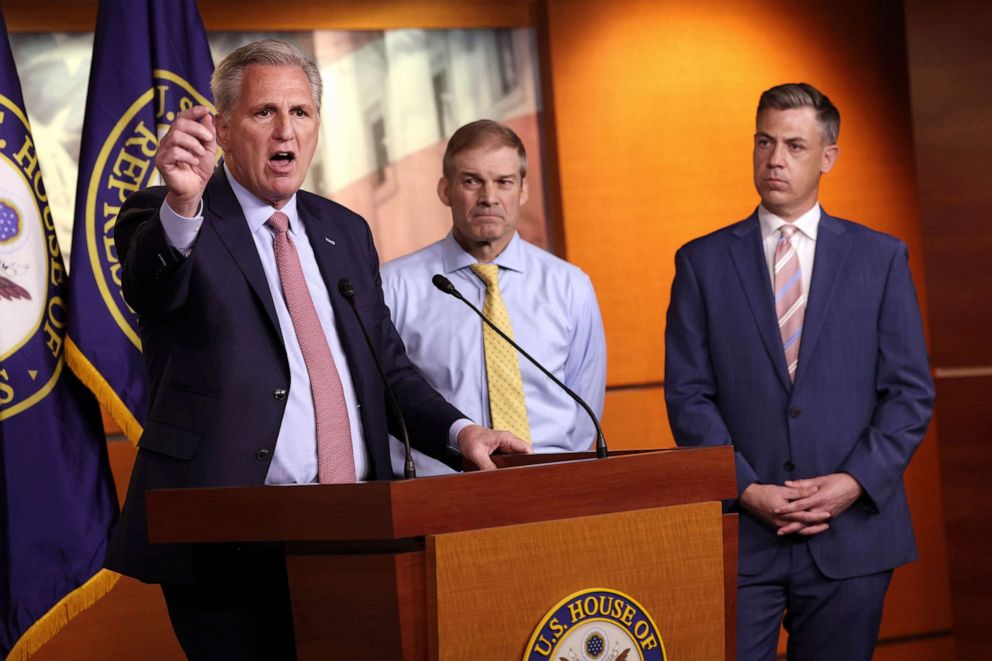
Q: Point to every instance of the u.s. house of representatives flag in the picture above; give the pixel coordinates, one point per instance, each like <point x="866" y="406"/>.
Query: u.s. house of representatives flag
<point x="150" y="61"/>
<point x="57" y="500"/>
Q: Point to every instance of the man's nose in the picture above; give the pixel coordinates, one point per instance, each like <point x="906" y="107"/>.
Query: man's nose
<point x="282" y="128"/>
<point x="487" y="193"/>
<point x="777" y="156"/>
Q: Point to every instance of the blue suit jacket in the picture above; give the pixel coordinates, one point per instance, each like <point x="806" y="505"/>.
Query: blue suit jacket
<point x="862" y="397"/>
<point x="216" y="359"/>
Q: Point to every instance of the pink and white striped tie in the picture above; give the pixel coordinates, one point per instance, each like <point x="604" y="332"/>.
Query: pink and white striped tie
<point x="335" y="458"/>
<point x="790" y="300"/>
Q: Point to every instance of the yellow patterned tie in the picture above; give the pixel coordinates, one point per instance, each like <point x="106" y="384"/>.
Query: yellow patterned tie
<point x="506" y="388"/>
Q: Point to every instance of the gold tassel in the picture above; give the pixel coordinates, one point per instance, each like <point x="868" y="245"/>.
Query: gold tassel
<point x="105" y="394"/>
<point x="71" y="605"/>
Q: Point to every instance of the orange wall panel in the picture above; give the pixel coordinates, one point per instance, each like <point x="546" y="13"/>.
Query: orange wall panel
<point x="653" y="106"/>
<point x="635" y="419"/>
<point x="654" y="117"/>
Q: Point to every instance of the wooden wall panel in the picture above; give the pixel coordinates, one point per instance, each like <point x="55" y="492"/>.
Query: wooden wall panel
<point x="949" y="70"/>
<point x="939" y="648"/>
<point x="251" y="15"/>
<point x="966" y="464"/>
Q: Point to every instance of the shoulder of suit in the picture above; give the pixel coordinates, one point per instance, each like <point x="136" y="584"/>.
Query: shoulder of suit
<point x="720" y="237"/>
<point x="862" y="233"/>
<point x="320" y="204"/>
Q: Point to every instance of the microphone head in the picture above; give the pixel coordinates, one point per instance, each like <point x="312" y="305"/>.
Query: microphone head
<point x="344" y="286"/>
<point x="444" y="284"/>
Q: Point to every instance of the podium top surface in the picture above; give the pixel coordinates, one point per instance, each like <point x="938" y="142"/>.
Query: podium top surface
<point x="397" y="510"/>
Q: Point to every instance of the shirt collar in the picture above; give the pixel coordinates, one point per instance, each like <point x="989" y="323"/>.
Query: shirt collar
<point x="258" y="212"/>
<point x="454" y="256"/>
<point x="808" y="223"/>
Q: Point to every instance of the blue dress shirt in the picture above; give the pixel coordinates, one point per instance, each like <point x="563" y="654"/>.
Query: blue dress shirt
<point x="555" y="317"/>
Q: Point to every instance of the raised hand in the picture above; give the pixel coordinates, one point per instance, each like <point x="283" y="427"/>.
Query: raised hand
<point x="186" y="157"/>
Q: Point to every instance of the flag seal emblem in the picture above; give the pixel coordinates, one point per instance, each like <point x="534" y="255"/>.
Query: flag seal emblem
<point x="598" y="624"/>
<point x="31" y="272"/>
<point x="125" y="164"/>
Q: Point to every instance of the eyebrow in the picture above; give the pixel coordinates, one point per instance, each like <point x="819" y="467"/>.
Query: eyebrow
<point x="476" y="175"/>
<point x="762" y="134"/>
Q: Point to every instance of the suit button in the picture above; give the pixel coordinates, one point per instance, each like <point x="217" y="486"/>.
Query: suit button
<point x="795" y="412"/>
<point x="280" y="393"/>
<point x="262" y="454"/>
<point x="789" y="466"/>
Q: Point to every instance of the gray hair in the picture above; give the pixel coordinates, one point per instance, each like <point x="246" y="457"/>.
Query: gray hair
<point x="226" y="80"/>
<point x="804" y="95"/>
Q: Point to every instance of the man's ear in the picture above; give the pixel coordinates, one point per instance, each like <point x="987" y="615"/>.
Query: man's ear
<point x="524" y="191"/>
<point x="830" y="155"/>
<point x="222" y="129"/>
<point x="442" y="192"/>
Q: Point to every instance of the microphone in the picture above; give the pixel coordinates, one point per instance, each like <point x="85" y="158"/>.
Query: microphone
<point x="348" y="291"/>
<point x="445" y="285"/>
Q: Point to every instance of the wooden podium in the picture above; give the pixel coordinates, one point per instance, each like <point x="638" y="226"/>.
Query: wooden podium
<point x="466" y="566"/>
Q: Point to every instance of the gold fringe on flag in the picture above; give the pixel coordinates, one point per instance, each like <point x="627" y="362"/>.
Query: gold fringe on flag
<point x="61" y="613"/>
<point x="105" y="394"/>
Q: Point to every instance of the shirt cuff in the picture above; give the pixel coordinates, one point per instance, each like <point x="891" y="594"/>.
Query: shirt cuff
<point x="180" y="230"/>
<point x="455" y="429"/>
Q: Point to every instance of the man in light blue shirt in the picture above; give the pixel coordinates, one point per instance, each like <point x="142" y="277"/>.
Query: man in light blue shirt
<point x="551" y="303"/>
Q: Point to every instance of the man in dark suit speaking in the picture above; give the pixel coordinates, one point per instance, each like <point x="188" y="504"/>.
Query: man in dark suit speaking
<point x="796" y="337"/>
<point x="258" y="369"/>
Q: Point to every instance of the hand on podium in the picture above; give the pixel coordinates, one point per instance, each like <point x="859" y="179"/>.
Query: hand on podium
<point x="477" y="443"/>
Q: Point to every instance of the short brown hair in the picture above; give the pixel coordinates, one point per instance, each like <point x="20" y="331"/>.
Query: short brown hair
<point x="226" y="80"/>
<point x="804" y="95"/>
<point x="480" y="133"/>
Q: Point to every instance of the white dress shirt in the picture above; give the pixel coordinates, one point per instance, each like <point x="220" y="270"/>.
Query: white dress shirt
<point x="804" y="240"/>
<point x="295" y="458"/>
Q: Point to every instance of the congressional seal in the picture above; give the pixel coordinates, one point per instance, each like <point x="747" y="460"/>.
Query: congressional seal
<point x="31" y="272"/>
<point x="598" y="624"/>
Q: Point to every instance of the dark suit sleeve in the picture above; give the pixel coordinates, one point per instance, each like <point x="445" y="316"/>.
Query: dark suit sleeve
<point x="690" y="384"/>
<point x="154" y="275"/>
<point x="904" y="388"/>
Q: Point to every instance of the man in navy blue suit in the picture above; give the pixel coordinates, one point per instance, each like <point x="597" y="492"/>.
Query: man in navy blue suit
<point x="796" y="337"/>
<point x="257" y="368"/>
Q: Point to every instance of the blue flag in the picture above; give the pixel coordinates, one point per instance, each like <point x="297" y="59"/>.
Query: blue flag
<point x="57" y="498"/>
<point x="150" y="61"/>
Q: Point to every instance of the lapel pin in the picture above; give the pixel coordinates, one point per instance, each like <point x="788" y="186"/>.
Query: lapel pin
<point x="328" y="239"/>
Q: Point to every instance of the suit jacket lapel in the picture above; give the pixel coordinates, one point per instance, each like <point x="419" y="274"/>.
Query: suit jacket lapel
<point x="749" y="260"/>
<point x="832" y="246"/>
<point x="335" y="263"/>
<point x="224" y="215"/>
<point x="332" y="258"/>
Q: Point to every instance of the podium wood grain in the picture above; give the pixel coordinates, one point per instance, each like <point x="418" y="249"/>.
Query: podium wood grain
<point x="356" y="558"/>
<point x="491" y="588"/>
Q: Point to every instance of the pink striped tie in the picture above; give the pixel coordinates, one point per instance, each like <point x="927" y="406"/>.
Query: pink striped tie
<point x="335" y="458"/>
<point x="790" y="301"/>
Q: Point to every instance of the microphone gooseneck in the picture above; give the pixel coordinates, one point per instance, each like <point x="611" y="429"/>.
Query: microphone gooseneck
<point x="346" y="290"/>
<point x="447" y="287"/>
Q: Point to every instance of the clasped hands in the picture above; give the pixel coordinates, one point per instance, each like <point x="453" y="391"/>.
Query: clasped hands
<point x="802" y="506"/>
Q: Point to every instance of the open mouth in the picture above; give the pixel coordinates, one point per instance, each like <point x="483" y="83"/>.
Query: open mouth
<point x="282" y="158"/>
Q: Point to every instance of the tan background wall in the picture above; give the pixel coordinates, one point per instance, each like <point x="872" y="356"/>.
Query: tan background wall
<point x="649" y="116"/>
